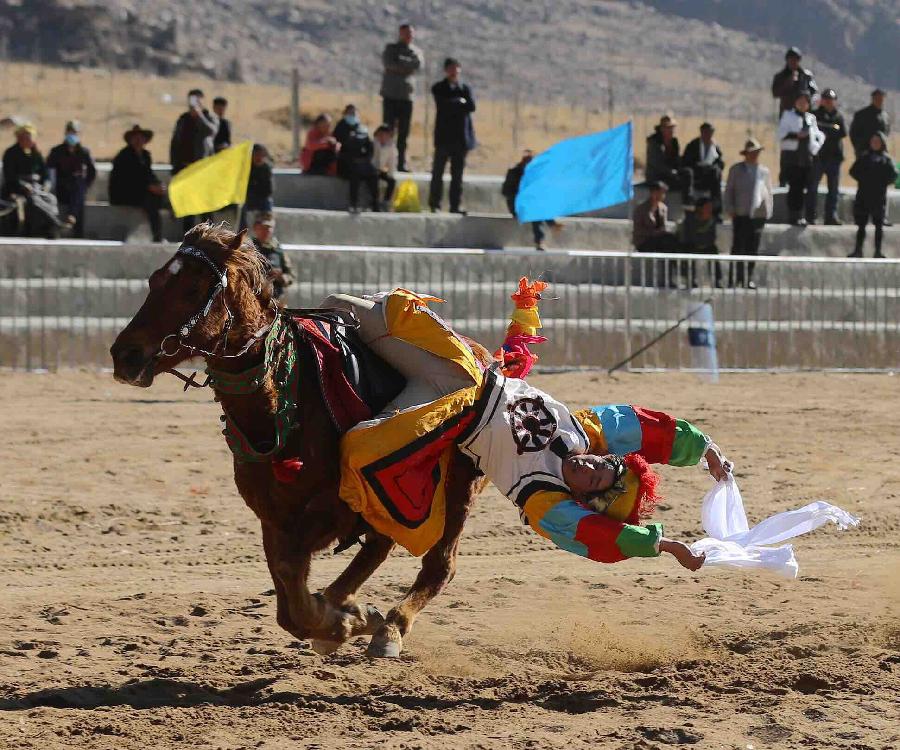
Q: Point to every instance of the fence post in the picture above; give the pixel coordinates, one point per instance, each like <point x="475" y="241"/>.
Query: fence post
<point x="295" y="115"/>
<point x="628" y="306"/>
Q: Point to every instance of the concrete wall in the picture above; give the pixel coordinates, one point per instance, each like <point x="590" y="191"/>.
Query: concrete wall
<point x="62" y="304"/>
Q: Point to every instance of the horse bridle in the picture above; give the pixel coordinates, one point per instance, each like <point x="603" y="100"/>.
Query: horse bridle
<point x="191" y="323"/>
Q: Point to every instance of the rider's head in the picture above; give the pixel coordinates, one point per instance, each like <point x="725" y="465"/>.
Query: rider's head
<point x="624" y="486"/>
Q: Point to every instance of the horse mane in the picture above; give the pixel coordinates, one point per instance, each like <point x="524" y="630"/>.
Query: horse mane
<point x="234" y="252"/>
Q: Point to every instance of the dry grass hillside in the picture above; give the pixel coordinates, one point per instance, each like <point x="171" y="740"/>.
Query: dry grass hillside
<point x="109" y="102"/>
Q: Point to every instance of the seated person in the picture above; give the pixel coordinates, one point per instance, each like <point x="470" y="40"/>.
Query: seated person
<point x="132" y="181"/>
<point x="385" y="160"/>
<point x="650" y="235"/>
<point x="319" y="154"/>
<point x="697" y="234"/>
<point x="581" y="480"/>
<point x="72" y="172"/>
<point x="25" y="177"/>
<point x="281" y="272"/>
<point x="355" y="157"/>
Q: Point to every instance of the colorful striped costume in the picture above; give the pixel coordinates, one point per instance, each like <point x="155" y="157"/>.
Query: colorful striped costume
<point x="394" y="468"/>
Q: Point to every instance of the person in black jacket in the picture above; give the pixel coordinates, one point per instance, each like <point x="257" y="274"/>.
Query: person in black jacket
<point x="222" y="139"/>
<point x="72" y="172"/>
<point x="132" y="181"/>
<point x="510" y="190"/>
<point x="454" y="135"/>
<point x="355" y="157"/>
<point x="24" y="171"/>
<point x="259" y="185"/>
<point x="874" y="170"/>
<point x="868" y="121"/>
<point x="663" y="163"/>
<point x="791" y="80"/>
<point x="704" y="158"/>
<point x="828" y="161"/>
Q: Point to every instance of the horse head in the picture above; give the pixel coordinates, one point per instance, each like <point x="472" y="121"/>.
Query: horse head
<point x="209" y="299"/>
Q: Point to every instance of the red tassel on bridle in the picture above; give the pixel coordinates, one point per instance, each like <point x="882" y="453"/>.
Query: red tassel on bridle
<point x="288" y="470"/>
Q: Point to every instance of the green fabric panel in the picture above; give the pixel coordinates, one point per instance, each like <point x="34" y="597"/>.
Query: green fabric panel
<point x="689" y="445"/>
<point x="640" y="541"/>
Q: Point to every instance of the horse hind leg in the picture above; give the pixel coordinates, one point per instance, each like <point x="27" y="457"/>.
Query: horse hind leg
<point x="342" y="591"/>
<point x="438" y="564"/>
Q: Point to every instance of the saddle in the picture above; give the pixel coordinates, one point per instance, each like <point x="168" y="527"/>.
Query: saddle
<point x="335" y="341"/>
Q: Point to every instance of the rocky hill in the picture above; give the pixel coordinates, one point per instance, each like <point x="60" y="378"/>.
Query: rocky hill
<point x="695" y="57"/>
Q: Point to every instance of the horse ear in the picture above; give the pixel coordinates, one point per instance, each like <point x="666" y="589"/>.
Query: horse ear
<point x="239" y="239"/>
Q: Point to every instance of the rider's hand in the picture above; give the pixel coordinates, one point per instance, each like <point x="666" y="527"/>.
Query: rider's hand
<point x="719" y="467"/>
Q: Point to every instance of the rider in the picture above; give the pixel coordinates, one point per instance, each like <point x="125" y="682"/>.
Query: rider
<point x="580" y="479"/>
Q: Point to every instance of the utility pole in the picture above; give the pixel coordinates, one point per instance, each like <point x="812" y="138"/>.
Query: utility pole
<point x="295" y="115"/>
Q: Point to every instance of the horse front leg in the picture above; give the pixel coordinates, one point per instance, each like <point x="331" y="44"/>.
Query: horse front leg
<point x="342" y="592"/>
<point x="438" y="564"/>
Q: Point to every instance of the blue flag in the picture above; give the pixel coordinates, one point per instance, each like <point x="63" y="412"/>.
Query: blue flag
<point x="577" y="175"/>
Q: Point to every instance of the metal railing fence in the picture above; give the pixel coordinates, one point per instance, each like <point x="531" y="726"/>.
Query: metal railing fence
<point x="63" y="306"/>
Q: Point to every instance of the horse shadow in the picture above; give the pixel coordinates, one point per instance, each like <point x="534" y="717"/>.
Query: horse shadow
<point x="170" y="693"/>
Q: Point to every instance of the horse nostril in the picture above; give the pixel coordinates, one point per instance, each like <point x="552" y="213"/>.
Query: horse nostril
<point x="133" y="359"/>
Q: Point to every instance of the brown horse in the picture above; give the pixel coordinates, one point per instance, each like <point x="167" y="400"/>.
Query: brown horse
<point x="213" y="298"/>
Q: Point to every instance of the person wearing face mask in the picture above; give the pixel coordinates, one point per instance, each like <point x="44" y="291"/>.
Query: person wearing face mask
<point x="355" y="157"/>
<point x="72" y="172"/>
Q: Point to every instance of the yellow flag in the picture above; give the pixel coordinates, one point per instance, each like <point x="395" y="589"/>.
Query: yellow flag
<point x="212" y="183"/>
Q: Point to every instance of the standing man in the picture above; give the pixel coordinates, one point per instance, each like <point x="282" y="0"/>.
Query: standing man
<point x="704" y="158"/>
<point x="454" y="135"/>
<point x="749" y="202"/>
<point x="193" y="139"/>
<point x="831" y="123"/>
<point x="72" y="172"/>
<point x="867" y="122"/>
<point x="401" y="60"/>
<point x="222" y="139"/>
<point x="786" y="87"/>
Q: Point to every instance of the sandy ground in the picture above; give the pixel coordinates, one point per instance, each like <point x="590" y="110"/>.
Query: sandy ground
<point x="136" y="610"/>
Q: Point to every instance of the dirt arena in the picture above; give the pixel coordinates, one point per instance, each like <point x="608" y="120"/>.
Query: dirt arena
<point x="136" y="609"/>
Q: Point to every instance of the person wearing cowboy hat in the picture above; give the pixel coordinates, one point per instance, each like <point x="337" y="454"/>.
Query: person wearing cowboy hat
<point x="748" y="200"/>
<point x="133" y="182"/>
<point x="72" y="172"/>
<point x="801" y="141"/>
<point x="22" y="161"/>
<point x="663" y="161"/>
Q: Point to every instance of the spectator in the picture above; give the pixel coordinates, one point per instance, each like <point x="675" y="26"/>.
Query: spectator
<point x="319" y="154"/>
<point x="132" y="181"/>
<point x="664" y="159"/>
<point x="192" y="139"/>
<point x="874" y="170"/>
<point x="385" y="160"/>
<point x="355" y="157"/>
<point x="791" y="80"/>
<point x="259" y="186"/>
<point x="800" y="140"/>
<point x="749" y="202"/>
<point x="222" y="139"/>
<point x="454" y="135"/>
<point x="22" y="162"/>
<point x="831" y="122"/>
<point x="25" y="184"/>
<point x="787" y="84"/>
<point x="510" y="190"/>
<point x="72" y="172"/>
<point x="704" y="158"/>
<point x="402" y="60"/>
<point x="697" y="234"/>
<point x="266" y="243"/>
<point x="868" y="121"/>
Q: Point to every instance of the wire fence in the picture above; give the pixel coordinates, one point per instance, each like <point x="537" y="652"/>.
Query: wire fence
<point x="62" y="306"/>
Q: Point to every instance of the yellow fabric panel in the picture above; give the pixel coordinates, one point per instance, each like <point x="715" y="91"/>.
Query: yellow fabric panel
<point x="621" y="508"/>
<point x="363" y="445"/>
<point x="538" y="505"/>
<point x="527" y="318"/>
<point x="212" y="183"/>
<point x="408" y="318"/>
<point x="590" y="422"/>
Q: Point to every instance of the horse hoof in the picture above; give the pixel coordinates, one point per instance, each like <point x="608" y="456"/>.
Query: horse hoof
<point x="374" y="620"/>
<point x="324" y="648"/>
<point x="385" y="645"/>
